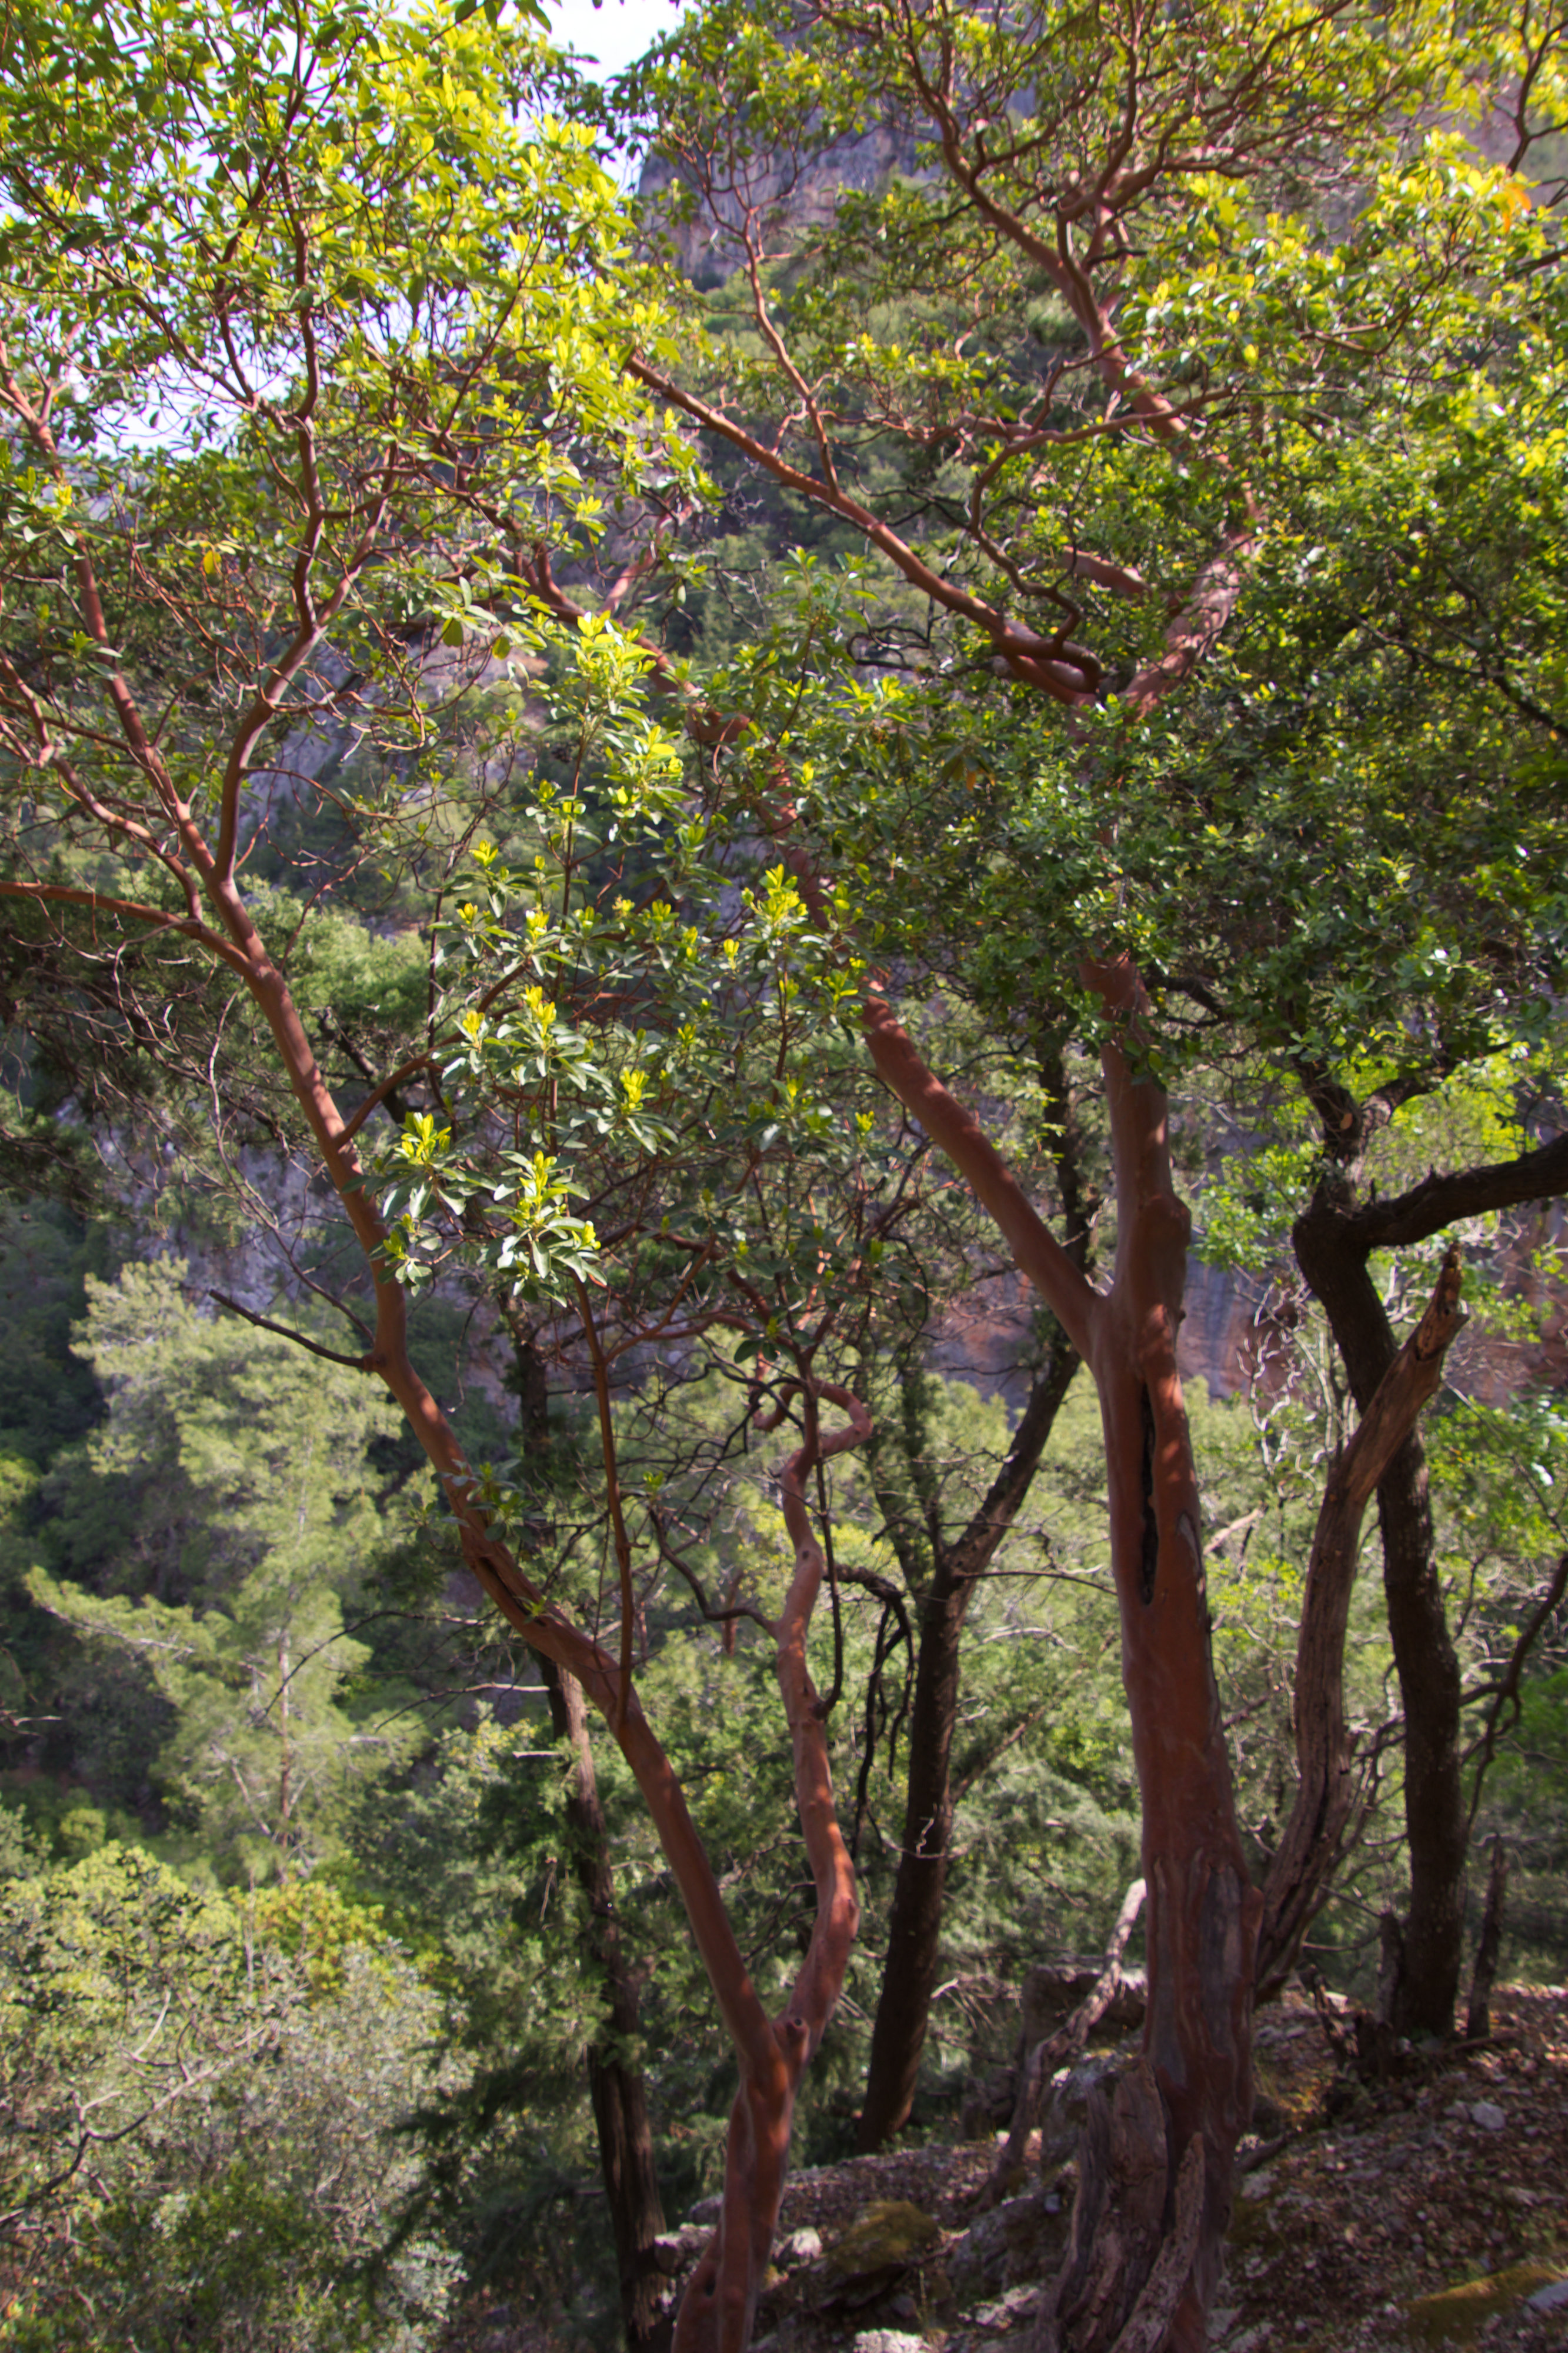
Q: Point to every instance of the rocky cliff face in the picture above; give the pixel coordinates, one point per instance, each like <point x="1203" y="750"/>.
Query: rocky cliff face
<point x="779" y="192"/>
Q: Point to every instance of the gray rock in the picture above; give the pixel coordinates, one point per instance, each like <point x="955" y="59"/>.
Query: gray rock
<point x="677" y="2250"/>
<point x="859" y="160"/>
<point x="1488" y="2115"/>
<point x="1553" y="2298"/>
<point x="1021" y="2241"/>
<point x="800" y="2247"/>
<point x="1009" y="2309"/>
<point x="888" y="2340"/>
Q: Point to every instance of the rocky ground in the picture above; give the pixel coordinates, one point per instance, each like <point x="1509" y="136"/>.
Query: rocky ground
<point x="1431" y="2209"/>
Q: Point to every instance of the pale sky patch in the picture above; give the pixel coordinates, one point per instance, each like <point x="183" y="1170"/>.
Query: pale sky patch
<point x="614" y="33"/>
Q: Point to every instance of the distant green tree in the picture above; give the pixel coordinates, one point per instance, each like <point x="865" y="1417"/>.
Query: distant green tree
<point x="49" y="1397"/>
<point x="196" y="2121"/>
<point x="212" y="1530"/>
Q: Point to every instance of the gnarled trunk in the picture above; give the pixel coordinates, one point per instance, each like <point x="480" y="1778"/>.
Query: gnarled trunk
<point x="1202" y="1911"/>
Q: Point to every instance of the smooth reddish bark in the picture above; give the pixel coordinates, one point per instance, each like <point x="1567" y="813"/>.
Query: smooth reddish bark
<point x="1203" y="1911"/>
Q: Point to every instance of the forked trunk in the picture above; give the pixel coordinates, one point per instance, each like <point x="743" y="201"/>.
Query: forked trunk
<point x="720" y="2300"/>
<point x="1428" y="1982"/>
<point x="1203" y="1912"/>
<point x="1327" y="1793"/>
<point x="1177" y="2129"/>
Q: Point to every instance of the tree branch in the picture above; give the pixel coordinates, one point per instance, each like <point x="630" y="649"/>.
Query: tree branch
<point x="1439" y="1201"/>
<point x="957" y="1133"/>
<point x="366" y="1364"/>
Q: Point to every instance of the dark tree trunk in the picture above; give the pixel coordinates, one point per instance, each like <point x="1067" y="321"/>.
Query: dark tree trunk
<point x="614" y="2087"/>
<point x="1489" y="1952"/>
<point x="915" y="1921"/>
<point x="1329" y="1789"/>
<point x="914" y="1927"/>
<point x="1334" y="1263"/>
<point x="1434" y="1791"/>
<point x="620" y="2106"/>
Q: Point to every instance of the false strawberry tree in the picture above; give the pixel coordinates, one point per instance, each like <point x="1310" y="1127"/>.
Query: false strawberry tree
<point x="308" y="354"/>
<point x="1117" y="281"/>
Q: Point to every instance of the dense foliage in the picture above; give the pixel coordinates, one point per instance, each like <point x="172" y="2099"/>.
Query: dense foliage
<point x="417" y="765"/>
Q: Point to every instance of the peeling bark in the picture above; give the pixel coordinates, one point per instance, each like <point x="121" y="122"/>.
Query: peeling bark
<point x="1203" y="1912"/>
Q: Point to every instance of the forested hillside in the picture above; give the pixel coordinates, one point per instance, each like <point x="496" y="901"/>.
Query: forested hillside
<point x="679" y="870"/>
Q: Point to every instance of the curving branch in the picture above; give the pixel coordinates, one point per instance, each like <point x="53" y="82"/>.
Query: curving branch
<point x="1034" y="659"/>
<point x="956" y="1132"/>
<point x="1438" y="1201"/>
<point x="185" y="927"/>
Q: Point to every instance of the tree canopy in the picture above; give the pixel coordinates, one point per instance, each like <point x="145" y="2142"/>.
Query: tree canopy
<point x="1163" y="691"/>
